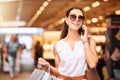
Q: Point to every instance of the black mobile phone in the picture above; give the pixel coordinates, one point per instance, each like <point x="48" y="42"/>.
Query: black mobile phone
<point x="81" y="30"/>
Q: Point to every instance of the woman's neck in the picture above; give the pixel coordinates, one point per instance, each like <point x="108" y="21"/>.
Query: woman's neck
<point x="73" y="36"/>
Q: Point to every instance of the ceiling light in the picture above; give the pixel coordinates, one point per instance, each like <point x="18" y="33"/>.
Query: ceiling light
<point x="59" y="21"/>
<point x="94" y="20"/>
<point x="56" y="23"/>
<point x="104" y="24"/>
<point x="51" y="26"/>
<point x="117" y="12"/>
<point x="100" y="17"/>
<point x="8" y="0"/>
<point x="49" y="0"/>
<point x="12" y="23"/>
<point x="97" y="29"/>
<point x="105" y="0"/>
<point x="103" y="29"/>
<point x="39" y="12"/>
<point x="99" y="38"/>
<point x="88" y="21"/>
<point x="45" y="3"/>
<point x="35" y="17"/>
<point x="41" y="8"/>
<point x="95" y="4"/>
<point x="21" y="31"/>
<point x="87" y="8"/>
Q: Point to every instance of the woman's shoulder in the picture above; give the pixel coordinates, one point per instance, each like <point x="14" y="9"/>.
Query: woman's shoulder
<point x="59" y="41"/>
<point x="58" y="45"/>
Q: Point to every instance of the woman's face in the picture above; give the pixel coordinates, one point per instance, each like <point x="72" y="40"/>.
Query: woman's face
<point x="75" y="19"/>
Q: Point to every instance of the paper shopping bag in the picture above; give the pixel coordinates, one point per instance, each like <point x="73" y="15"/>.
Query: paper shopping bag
<point x="38" y="74"/>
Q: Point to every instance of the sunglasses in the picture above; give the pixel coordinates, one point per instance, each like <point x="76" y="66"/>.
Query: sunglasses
<point x="73" y="17"/>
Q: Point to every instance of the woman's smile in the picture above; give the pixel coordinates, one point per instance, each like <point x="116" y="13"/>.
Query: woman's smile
<point x="76" y="24"/>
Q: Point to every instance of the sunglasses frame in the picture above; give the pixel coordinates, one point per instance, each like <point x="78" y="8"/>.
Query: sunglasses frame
<point x="79" y="18"/>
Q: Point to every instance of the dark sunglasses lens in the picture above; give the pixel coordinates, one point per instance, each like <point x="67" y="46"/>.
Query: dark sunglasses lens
<point x="81" y="17"/>
<point x="73" y="17"/>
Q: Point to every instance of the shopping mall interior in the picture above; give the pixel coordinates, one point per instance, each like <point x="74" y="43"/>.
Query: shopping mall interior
<point x="42" y="20"/>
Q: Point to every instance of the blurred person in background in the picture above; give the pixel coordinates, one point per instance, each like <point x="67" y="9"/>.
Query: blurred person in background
<point x="74" y="52"/>
<point x="101" y="62"/>
<point x="10" y="50"/>
<point x="107" y="58"/>
<point x="38" y="52"/>
<point x="116" y="62"/>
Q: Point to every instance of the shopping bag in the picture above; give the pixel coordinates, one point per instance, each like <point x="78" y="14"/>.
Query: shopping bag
<point x="92" y="74"/>
<point x="41" y="74"/>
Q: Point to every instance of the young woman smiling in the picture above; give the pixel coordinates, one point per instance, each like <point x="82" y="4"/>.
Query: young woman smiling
<point x="74" y="52"/>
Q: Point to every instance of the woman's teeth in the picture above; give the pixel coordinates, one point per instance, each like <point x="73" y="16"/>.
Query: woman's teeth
<point x="76" y="24"/>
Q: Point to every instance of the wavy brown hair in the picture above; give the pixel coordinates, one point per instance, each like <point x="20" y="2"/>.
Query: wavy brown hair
<point x="65" y="27"/>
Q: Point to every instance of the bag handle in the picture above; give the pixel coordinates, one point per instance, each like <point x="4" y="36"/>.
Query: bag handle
<point x="47" y="68"/>
<point x="44" y="68"/>
<point x="89" y="41"/>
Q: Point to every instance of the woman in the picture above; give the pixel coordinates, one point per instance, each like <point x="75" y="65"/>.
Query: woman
<point x="75" y="50"/>
<point x="11" y="49"/>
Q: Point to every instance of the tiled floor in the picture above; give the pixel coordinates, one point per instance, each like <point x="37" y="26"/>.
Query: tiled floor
<point x="27" y="68"/>
<point x="18" y="76"/>
<point x="23" y="75"/>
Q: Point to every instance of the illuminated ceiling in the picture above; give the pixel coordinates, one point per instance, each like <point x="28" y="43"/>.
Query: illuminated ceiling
<point x="47" y="14"/>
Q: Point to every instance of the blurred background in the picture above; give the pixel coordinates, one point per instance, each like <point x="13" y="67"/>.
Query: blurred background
<point x="42" y="20"/>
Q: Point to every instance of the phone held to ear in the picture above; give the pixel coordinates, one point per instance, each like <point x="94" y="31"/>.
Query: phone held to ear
<point x="81" y="31"/>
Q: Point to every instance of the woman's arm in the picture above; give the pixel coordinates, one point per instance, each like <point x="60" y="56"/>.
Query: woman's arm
<point x="90" y="53"/>
<point x="90" y="48"/>
<point x="44" y="63"/>
<point x="54" y="70"/>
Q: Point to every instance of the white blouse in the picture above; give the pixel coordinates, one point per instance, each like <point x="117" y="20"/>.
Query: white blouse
<point x="72" y="62"/>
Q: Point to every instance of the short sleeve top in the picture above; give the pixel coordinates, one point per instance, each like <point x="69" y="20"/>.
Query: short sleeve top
<point x="12" y="48"/>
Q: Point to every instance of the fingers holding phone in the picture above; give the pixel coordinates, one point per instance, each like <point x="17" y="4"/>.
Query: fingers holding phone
<point x="84" y="30"/>
<point x="84" y="34"/>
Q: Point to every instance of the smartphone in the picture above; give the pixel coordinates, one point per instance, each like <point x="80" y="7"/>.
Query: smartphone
<point x="81" y="30"/>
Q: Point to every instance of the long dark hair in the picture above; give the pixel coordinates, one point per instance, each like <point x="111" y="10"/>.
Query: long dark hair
<point x="65" y="27"/>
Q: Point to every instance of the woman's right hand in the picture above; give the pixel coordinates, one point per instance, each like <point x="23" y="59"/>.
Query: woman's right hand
<point x="42" y="62"/>
<point x="84" y="37"/>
